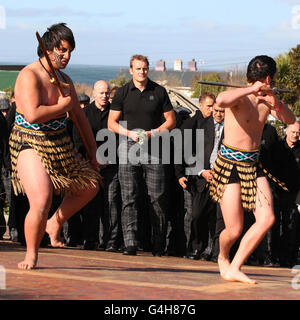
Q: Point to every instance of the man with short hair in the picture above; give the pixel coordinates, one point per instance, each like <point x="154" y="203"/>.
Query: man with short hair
<point x="287" y="161"/>
<point x="201" y="223"/>
<point x="292" y="135"/>
<point x="106" y="205"/>
<point x="42" y="154"/>
<point x="145" y="105"/>
<point x="238" y="183"/>
<point x="206" y="103"/>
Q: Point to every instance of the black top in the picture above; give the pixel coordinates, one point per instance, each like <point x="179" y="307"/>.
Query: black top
<point x="4" y="149"/>
<point x="287" y="165"/>
<point x="10" y="117"/>
<point x="268" y="152"/>
<point x="142" y="110"/>
<point x="191" y="122"/>
<point x="97" y="120"/>
<point x="207" y="124"/>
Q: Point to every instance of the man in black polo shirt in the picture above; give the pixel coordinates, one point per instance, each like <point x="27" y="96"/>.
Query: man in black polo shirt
<point x="145" y="105"/>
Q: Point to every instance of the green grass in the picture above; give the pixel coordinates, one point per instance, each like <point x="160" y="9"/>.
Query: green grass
<point x="8" y="79"/>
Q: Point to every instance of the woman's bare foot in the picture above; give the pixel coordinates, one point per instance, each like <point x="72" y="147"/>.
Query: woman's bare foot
<point x="29" y="262"/>
<point x="237" y="275"/>
<point x="53" y="230"/>
<point x="224" y="265"/>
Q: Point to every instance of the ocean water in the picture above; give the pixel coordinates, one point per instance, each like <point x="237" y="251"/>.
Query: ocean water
<point x="89" y="74"/>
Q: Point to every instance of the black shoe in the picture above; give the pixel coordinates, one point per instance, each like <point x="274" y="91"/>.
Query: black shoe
<point x="157" y="254"/>
<point x="252" y="261"/>
<point x="287" y="264"/>
<point x="121" y="248"/>
<point x="101" y="247"/>
<point x="269" y="263"/>
<point x="214" y="259"/>
<point x="195" y="255"/>
<point x="111" y="249"/>
<point x="205" y="256"/>
<point x="130" y="251"/>
<point x="70" y="242"/>
<point x="89" y="245"/>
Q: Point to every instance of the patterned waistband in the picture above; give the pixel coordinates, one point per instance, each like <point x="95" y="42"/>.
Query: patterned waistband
<point x="52" y="125"/>
<point x="238" y="155"/>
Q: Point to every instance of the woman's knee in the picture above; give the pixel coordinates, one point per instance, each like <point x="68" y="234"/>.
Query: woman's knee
<point x="40" y="206"/>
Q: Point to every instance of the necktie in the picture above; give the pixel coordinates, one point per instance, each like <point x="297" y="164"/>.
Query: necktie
<point x="214" y="153"/>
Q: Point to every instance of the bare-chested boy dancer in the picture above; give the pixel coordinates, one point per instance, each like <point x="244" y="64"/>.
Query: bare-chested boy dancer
<point x="43" y="157"/>
<point x="239" y="182"/>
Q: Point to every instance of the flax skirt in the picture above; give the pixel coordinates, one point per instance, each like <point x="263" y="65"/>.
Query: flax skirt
<point x="67" y="170"/>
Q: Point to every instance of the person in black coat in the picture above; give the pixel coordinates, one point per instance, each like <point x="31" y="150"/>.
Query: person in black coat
<point x="4" y="161"/>
<point x="206" y="102"/>
<point x="203" y="218"/>
<point x="107" y="203"/>
<point x="285" y="202"/>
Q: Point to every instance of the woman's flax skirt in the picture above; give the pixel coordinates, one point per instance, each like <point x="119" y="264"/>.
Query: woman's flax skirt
<point x="68" y="172"/>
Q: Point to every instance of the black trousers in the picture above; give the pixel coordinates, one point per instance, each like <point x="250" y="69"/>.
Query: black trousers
<point x="176" y="237"/>
<point x="286" y="238"/>
<point x="2" y="203"/>
<point x="203" y="220"/>
<point x="111" y="215"/>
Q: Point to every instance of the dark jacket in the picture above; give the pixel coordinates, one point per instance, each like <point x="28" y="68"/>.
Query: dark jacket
<point x="97" y="120"/>
<point x="4" y="148"/>
<point x="207" y="124"/>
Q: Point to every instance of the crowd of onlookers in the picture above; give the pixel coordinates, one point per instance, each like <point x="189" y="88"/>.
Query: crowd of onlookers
<point x="193" y="221"/>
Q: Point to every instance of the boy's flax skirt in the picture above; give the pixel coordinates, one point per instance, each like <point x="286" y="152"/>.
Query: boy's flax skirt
<point x="247" y="167"/>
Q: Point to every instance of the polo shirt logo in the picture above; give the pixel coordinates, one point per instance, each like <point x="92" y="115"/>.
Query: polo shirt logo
<point x="151" y="98"/>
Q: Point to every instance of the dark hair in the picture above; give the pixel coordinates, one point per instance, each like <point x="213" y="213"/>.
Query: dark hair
<point x="53" y="36"/>
<point x="260" y="67"/>
<point x="207" y="94"/>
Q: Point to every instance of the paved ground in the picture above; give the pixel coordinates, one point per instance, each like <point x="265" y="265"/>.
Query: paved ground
<point x="73" y="274"/>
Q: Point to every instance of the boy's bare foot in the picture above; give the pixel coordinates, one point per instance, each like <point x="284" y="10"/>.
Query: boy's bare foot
<point x="237" y="275"/>
<point x="224" y="265"/>
<point x="53" y="230"/>
<point x="29" y="262"/>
